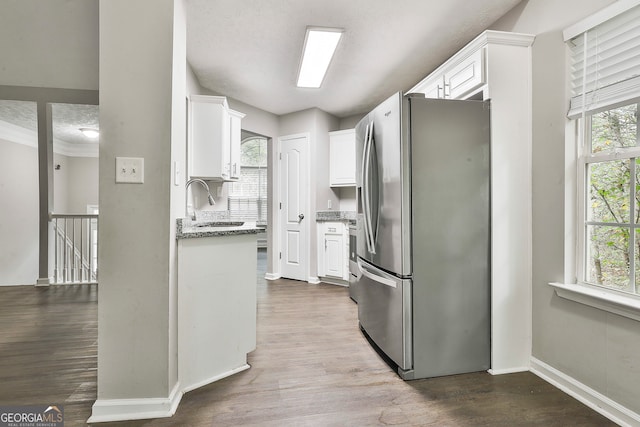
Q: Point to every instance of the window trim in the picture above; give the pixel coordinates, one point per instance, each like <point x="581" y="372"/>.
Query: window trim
<point x="262" y="202"/>
<point x="607" y="299"/>
<point x="626" y="305"/>
<point x="574" y="288"/>
<point x="586" y="157"/>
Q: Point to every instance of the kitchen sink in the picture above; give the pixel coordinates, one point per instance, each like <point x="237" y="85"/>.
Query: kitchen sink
<point x="218" y="224"/>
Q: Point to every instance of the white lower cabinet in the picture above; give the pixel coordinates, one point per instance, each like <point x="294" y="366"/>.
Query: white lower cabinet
<point x="333" y="250"/>
<point x="216" y="307"/>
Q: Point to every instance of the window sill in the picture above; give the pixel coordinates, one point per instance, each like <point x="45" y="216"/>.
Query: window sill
<point x="613" y="302"/>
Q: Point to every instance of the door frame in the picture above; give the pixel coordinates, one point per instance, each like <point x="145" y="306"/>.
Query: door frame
<point x="307" y="204"/>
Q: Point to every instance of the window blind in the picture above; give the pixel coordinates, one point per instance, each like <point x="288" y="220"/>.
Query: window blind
<point x="605" y="64"/>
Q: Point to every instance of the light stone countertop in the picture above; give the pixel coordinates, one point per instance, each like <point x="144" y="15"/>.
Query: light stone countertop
<point x="188" y="229"/>
<point x="346" y="216"/>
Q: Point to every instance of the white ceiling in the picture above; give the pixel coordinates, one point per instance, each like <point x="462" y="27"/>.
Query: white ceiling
<point x="249" y="50"/>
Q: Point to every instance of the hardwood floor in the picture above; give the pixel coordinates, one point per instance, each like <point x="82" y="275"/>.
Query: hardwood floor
<point x="48" y="348"/>
<point x="312" y="367"/>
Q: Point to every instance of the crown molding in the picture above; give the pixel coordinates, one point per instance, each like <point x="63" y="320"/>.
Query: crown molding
<point x="19" y="135"/>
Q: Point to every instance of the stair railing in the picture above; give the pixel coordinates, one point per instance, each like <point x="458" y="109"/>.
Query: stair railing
<point x="75" y="248"/>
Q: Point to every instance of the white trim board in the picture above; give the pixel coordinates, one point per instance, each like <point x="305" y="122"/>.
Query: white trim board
<point x="593" y="399"/>
<point x="607" y="300"/>
<point x="215" y="378"/>
<point x="509" y="370"/>
<point x="272" y="276"/>
<point x="108" y="410"/>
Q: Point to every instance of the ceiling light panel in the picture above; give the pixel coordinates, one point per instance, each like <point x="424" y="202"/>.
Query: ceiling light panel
<point x="319" y="47"/>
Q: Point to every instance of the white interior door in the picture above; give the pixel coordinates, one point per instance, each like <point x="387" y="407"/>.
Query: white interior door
<point x="294" y="215"/>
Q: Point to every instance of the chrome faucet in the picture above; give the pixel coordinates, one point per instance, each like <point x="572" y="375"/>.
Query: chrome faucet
<point x="206" y="187"/>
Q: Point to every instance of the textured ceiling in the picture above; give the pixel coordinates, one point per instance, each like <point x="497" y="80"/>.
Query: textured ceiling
<point x="249" y="50"/>
<point x="67" y="119"/>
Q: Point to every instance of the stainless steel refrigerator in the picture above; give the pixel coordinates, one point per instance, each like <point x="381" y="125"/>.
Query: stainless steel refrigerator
<point x="423" y="240"/>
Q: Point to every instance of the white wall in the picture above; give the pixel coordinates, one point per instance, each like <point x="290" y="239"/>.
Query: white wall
<point x="61" y="184"/>
<point x="18" y="214"/>
<point x="596" y="348"/>
<point x="178" y="155"/>
<point x="52" y="43"/>
<point x="347" y="197"/>
<point x="351" y="121"/>
<point x="138" y="118"/>
<point x="82" y="185"/>
<point x="75" y="184"/>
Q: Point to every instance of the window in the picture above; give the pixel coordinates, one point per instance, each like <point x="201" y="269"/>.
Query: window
<point x="611" y="192"/>
<point x="605" y="98"/>
<point x="248" y="197"/>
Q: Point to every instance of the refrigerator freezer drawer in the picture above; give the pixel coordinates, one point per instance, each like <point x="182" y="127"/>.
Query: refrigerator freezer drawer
<point x="384" y="312"/>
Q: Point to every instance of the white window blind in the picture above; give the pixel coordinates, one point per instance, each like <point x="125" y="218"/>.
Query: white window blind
<point x="605" y="64"/>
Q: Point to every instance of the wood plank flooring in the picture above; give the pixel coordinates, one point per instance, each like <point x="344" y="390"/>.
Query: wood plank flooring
<point x="312" y="367"/>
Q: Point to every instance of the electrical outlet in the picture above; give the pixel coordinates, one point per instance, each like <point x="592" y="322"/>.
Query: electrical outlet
<point x="130" y="170"/>
<point x="329" y="204"/>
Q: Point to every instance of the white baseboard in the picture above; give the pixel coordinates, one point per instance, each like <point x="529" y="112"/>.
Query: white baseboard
<point x="216" y="378"/>
<point x="313" y="280"/>
<point x="593" y="399"/>
<point x="508" y="371"/>
<point x="107" y="410"/>
<point x="272" y="276"/>
<point x="332" y="281"/>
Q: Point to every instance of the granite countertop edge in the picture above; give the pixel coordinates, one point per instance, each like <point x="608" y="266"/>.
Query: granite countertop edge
<point x="185" y="230"/>
<point x="325" y="216"/>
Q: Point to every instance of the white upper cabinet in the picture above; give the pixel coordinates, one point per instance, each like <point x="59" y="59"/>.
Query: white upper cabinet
<point x="342" y="158"/>
<point x="235" y="121"/>
<point x="214" y="134"/>
<point x="459" y="79"/>
<point x="464" y="78"/>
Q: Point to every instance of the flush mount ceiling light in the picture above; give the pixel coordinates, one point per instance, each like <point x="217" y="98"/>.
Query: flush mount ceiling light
<point x="319" y="46"/>
<point x="90" y="133"/>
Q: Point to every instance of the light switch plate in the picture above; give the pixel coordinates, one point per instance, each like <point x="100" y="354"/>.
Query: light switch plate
<point x="176" y="173"/>
<point x="130" y="170"/>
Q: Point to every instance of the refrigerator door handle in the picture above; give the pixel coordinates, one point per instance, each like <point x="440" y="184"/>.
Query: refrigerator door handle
<point x="366" y="163"/>
<point x="375" y="277"/>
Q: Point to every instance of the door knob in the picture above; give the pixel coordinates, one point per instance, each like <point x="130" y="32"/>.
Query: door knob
<point x="301" y="217"/>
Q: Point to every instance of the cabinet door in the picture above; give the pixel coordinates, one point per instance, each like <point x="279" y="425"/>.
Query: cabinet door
<point x="209" y="137"/>
<point x="465" y="77"/>
<point x="235" y="119"/>
<point x="342" y="155"/>
<point x="435" y="89"/>
<point x="334" y="255"/>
